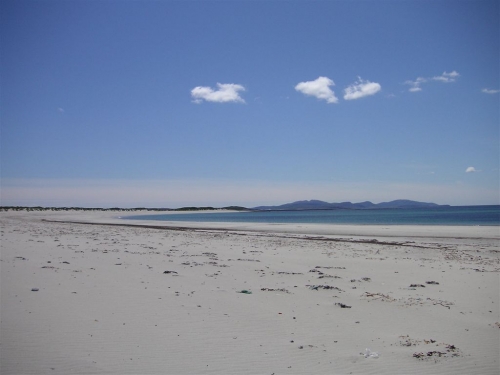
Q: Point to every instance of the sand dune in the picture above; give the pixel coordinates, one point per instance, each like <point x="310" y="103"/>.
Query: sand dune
<point x="245" y="299"/>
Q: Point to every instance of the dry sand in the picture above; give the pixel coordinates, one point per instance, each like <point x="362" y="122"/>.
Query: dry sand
<point x="110" y="299"/>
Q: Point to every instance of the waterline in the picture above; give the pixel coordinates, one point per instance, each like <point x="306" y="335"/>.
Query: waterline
<point x="458" y="215"/>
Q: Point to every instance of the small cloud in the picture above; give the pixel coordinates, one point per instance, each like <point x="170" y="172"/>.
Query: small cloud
<point x="360" y="89"/>
<point x="470" y="170"/>
<point x="490" y="91"/>
<point x="226" y="93"/>
<point x="319" y="88"/>
<point x="60" y="110"/>
<point x="415" y="85"/>
<point x="447" y="77"/>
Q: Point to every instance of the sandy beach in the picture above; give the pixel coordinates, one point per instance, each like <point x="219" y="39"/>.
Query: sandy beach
<point x="89" y="293"/>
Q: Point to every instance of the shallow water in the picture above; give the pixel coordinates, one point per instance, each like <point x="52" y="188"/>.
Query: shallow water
<point x="455" y="215"/>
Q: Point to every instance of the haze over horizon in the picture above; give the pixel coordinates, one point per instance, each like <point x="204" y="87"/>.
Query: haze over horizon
<point x="218" y="103"/>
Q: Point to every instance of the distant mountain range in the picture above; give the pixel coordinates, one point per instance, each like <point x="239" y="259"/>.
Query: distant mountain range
<point x="320" y="205"/>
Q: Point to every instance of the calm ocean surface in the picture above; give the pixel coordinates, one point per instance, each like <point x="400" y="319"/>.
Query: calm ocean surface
<point x="463" y="215"/>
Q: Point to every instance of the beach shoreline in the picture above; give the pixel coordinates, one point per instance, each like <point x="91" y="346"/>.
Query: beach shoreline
<point x="90" y="293"/>
<point x="118" y="218"/>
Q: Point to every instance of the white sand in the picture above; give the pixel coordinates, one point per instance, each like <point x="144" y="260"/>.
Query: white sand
<point x="105" y="305"/>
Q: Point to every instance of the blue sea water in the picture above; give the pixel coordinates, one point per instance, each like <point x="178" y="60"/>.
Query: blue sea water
<point x="453" y="215"/>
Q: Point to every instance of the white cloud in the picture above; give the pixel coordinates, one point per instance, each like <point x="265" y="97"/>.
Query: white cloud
<point x="445" y="77"/>
<point x="415" y="85"/>
<point x="360" y="89"/>
<point x="470" y="169"/>
<point x="60" y="110"/>
<point x="490" y="91"/>
<point x="226" y="92"/>
<point x="319" y="88"/>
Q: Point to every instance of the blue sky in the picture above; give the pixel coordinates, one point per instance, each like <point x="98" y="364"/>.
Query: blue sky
<point x="172" y="103"/>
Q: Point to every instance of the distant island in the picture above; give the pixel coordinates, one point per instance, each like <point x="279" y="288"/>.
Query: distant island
<point x="321" y="205"/>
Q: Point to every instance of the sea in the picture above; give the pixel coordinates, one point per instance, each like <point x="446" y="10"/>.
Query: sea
<point x="443" y="215"/>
